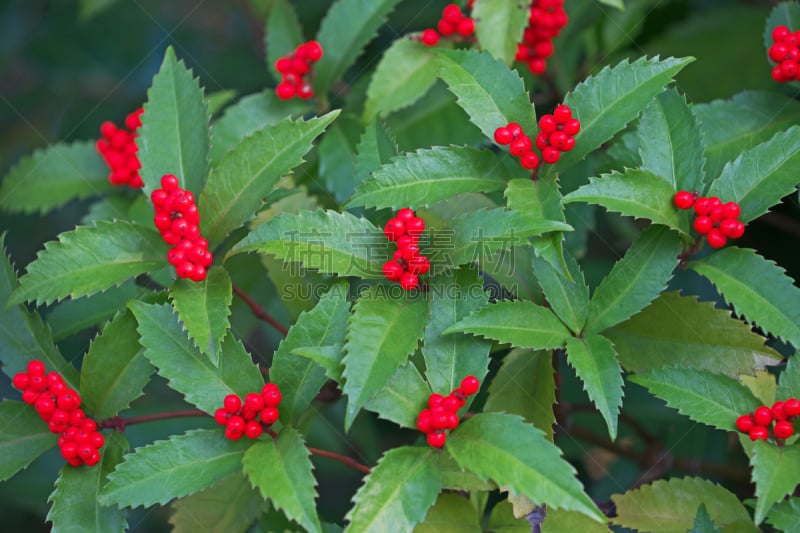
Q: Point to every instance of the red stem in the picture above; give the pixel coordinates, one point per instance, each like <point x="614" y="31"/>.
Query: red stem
<point x="259" y="311"/>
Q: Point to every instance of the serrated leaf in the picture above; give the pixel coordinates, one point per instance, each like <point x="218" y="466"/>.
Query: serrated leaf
<point x="670" y="142"/>
<point x="337" y="157"/>
<point x="569" y="299"/>
<point x="731" y="127"/>
<point x="635" y="193"/>
<point x="499" y="26"/>
<point x="774" y="473"/>
<point x="90" y="259"/>
<point x="185" y="367"/>
<point x="671" y="507"/>
<point x="595" y="362"/>
<point x="559" y="520"/>
<point x="785" y="516"/>
<point x="66" y="171"/>
<point x="282" y="33"/>
<point x="245" y="175"/>
<point x="23" y="335"/>
<point x="789" y="381"/>
<point x="204" y="309"/>
<point x="502" y="520"/>
<point x="405" y="72"/>
<point x="606" y="102"/>
<point x="250" y="114"/>
<point x="762" y="385"/>
<point x="168" y="469"/>
<point x="761" y="176"/>
<point x="376" y="148"/>
<point x="114" y="370"/>
<point x="491" y="94"/>
<point x="667" y="332"/>
<point x="75" y="506"/>
<point x="23" y="437"/>
<point x="174" y="135"/>
<point x="299" y="378"/>
<point x="425" y="177"/>
<point x="452" y="513"/>
<point x="451" y="357"/>
<point x="397" y="493"/>
<point x="382" y="333"/>
<point x="516" y="455"/>
<point x="402" y="398"/>
<point x="328" y="357"/>
<point x="757" y="288"/>
<point x="525" y="386"/>
<point x="703" y="522"/>
<point x="635" y="280"/>
<point x="282" y="472"/>
<point x="519" y="323"/>
<point x="362" y="18"/>
<point x="704" y="397"/>
<point x="228" y="506"/>
<point x="456" y="478"/>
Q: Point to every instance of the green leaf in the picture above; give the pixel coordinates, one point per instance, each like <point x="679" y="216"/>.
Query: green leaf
<point x="245" y="175"/>
<point x="252" y="113"/>
<point x="789" y="383"/>
<point x="635" y="193"/>
<point x="204" y="309"/>
<point x="337" y="157"/>
<point x="326" y="241"/>
<point x="502" y="520"/>
<point x="402" y="398"/>
<point x="758" y="289"/>
<point x="635" y="280"/>
<point x="452" y="513"/>
<point x="569" y="299"/>
<point x="761" y="176"/>
<point x="703" y="522"/>
<point x="704" y="397"/>
<point x="451" y="357"/>
<point x="328" y="357"/>
<point x="456" y="478"/>
<point x="613" y="3"/>
<point x="785" y="516"/>
<point x="228" y="506"/>
<point x="671" y="143"/>
<point x="90" y="259"/>
<point x="519" y="323"/>
<point x="66" y="171"/>
<point x="299" y="378"/>
<point x="362" y="18"/>
<point x="405" y="72"/>
<point x="731" y="127"/>
<point x="282" y="472"/>
<point x="425" y="177"/>
<point x="75" y="505"/>
<point x="671" y="507"/>
<point x="397" y="493"/>
<point x="490" y="93"/>
<point x="666" y="332"/>
<point x="23" y="335"/>
<point x="595" y="361"/>
<point x="168" y="469"/>
<point x="774" y="473"/>
<point x="90" y="8"/>
<point x="218" y="100"/>
<point x="606" y="102"/>
<point x="23" y="437"/>
<point x="524" y="386"/>
<point x="174" y="135"/>
<point x="559" y="520"/>
<point x="114" y="369"/>
<point x="189" y="371"/>
<point x="282" y="33"/>
<point x="381" y="334"/>
<point x="517" y="455"/>
<point x="762" y="385"/>
<point x="376" y="148"/>
<point x="499" y="26"/>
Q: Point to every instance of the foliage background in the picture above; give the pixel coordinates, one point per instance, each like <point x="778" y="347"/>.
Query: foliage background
<point x="62" y="73"/>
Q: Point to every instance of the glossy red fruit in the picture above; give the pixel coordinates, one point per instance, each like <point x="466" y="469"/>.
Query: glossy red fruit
<point x="778" y="412"/>
<point x="313" y="51"/>
<point x="77" y="417"/>
<point x="253" y="429"/>
<point x="716" y="239"/>
<point x="702" y="206"/>
<point x="232" y="403"/>
<point x="405" y="214"/>
<point x="394" y="228"/>
<point x="445" y="27"/>
<point x="236" y="424"/>
<point x="745" y="423"/>
<point x="221" y="416"/>
<point x="783" y="429"/>
<point x="199" y="273"/>
<point x="21" y="381"/>
<point x="550" y="155"/>
<point x="169" y="182"/>
<point x="36" y="368"/>
<point x="731" y="210"/>
<point x="737" y="230"/>
<point x="470" y="385"/>
<point x="392" y="270"/>
<point x="547" y="124"/>
<point x="529" y="160"/>
<point x="93" y="459"/>
<point x="415" y="226"/>
<point x="185" y="270"/>
<point x="572" y="127"/>
<point x="424" y="422"/>
<point x="502" y="136"/>
<point x="702" y="224"/>
<point x="436" y="439"/>
<point x="271" y="394"/>
<point x="418" y="265"/>
<point x="759" y="433"/>
<point x="452" y="420"/>
<point x="285" y="91"/>
<point x="683" y="199"/>
<point x="466" y="27"/>
<point x="779" y="33"/>
<point x="763" y="416"/>
<point x="430" y="37"/>
<point x="515" y="129"/>
<point x="435" y="400"/>
<point x="69" y="450"/>
<point x="452" y="13"/>
<point x="98" y="440"/>
<point x="409" y="281"/>
<point x="451" y="403"/>
<point x="791" y="407"/>
<point x="269" y="415"/>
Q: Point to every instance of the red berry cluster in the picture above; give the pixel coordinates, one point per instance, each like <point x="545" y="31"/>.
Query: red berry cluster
<point x="546" y="20"/>
<point x="717" y="221"/>
<point x="295" y="70"/>
<point x="408" y="263"/>
<point x="556" y="134"/>
<point x="118" y="148"/>
<point x="239" y="418"/>
<point x="177" y="220"/>
<point x="60" y="406"/>
<point x="442" y="412"/>
<point x="453" y="21"/>
<point x="786" y="53"/>
<point x="757" y="424"/>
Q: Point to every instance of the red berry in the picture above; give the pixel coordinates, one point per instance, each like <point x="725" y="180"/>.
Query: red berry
<point x="777" y="74"/>
<point x="415" y="226"/>
<point x="233" y="435"/>
<point x="30" y="396"/>
<point x="440" y="419"/>
<point x="789" y="69"/>
<point x="108" y="129"/>
<point x="529" y="160"/>
<point x="763" y="416"/>
<point x="702" y="206"/>
<point x="405" y="214"/>
<point x="232" y="403"/>
<point x="550" y="155"/>
<point x="558" y="140"/>
<point x="731" y="210"/>
<point x="409" y="281"/>
<point x="502" y="136"/>
<point x="745" y="423"/>
<point x="436" y="439"/>
<point x="305" y="91"/>
<point x="515" y="129"/>
<point x="254" y="402"/>
<point x="702" y="224"/>
<point x="543" y="49"/>
<point x="737" y="230"/>
<point x="452" y="403"/>
<point x="716" y="214"/>
<point x="562" y="114"/>
<point x="253" y="429"/>
<point x="715" y="238"/>
<point x="69" y="450"/>
<point x="791" y="407"/>
<point x="392" y="270"/>
<point x="779" y="33"/>
<point x="520" y="146"/>
<point x="221" y="416"/>
<point x="93" y="459"/>
<point x="435" y="400"/>
<point x="175" y="256"/>
<point x="470" y="385"/>
<point x="683" y="200"/>
<point x="97" y="440"/>
<point x="537" y="65"/>
<point x="759" y="433"/>
<point x="36" y="368"/>
<point x="36" y="382"/>
<point x="783" y="429"/>
<point x="271" y="394"/>
<point x="44" y="405"/>
<point x="778" y="412"/>
<point x="548" y="124"/>
<point x="424" y="421"/>
<point x="285" y="91"/>
<point x="572" y="127"/>
<point x="236" y="424"/>
<point x="452" y="420"/>
<point x="430" y="37"/>
<point x="89" y="425"/>
<point x="21" y="381"/>
<point x="77" y="417"/>
<point x="466" y="27"/>
<point x="169" y="182"/>
<point x="269" y="415"/>
<point x="419" y="265"/>
<point x="394" y="228"/>
<point x="445" y="27"/>
<point x="452" y="13"/>
<point x="198" y="273"/>
<point x="283" y="65"/>
<point x="778" y="52"/>
<point x="185" y="270"/>
<point x="59" y="421"/>
<point x="313" y="51"/>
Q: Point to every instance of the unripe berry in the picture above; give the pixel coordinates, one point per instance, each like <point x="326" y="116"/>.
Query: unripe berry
<point x="745" y="423"/>
<point x="759" y="433"/>
<point x="763" y="416"/>
<point x="783" y="429"/>
<point x="436" y="439"/>
<point x="502" y="136"/>
<point x="683" y="199"/>
<point x="470" y="385"/>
